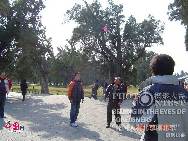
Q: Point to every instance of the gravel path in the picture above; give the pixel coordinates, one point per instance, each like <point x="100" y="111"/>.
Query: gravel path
<point x="46" y="117"/>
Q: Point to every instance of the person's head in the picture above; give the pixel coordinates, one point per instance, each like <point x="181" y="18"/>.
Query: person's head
<point x="3" y="75"/>
<point x="23" y="80"/>
<point x="162" y="65"/>
<point x="117" y="80"/>
<point x="77" y="76"/>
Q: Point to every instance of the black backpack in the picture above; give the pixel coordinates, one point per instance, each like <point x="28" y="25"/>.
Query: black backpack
<point x="2" y="87"/>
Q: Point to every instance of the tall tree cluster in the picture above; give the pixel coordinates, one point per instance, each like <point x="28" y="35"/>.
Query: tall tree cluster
<point x="178" y="10"/>
<point x="103" y="45"/>
<point x="106" y="36"/>
<point x="24" y="45"/>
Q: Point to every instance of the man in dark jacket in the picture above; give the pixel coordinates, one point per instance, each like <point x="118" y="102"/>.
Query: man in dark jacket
<point x="3" y="91"/>
<point x="162" y="105"/>
<point x="23" y="87"/>
<point x="75" y="95"/>
<point x="116" y="93"/>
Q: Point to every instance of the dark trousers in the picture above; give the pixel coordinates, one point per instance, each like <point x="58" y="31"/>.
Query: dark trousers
<point x="75" y="106"/>
<point x="116" y="109"/>
<point x="2" y="104"/>
<point x="94" y="93"/>
<point x="23" y="94"/>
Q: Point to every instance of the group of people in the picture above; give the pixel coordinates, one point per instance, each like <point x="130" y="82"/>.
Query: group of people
<point x="115" y="92"/>
<point x="5" y="87"/>
<point x="163" y="87"/>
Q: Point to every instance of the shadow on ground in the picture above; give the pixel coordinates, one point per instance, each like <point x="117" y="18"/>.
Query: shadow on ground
<point x="127" y="133"/>
<point x="126" y="105"/>
<point x="44" y="119"/>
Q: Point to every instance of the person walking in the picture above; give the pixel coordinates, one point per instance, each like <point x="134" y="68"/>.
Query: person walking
<point x="23" y="87"/>
<point x="75" y="95"/>
<point x="105" y="85"/>
<point x="95" y="88"/>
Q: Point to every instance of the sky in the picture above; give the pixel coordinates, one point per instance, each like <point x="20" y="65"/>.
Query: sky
<point x="53" y="17"/>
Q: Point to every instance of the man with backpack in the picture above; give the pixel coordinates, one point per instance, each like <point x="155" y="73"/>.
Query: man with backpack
<point x="115" y="92"/>
<point x="75" y="95"/>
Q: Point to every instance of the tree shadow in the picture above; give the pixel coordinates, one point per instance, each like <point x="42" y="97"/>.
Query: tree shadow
<point x="45" y="119"/>
<point x="127" y="133"/>
<point x="126" y="105"/>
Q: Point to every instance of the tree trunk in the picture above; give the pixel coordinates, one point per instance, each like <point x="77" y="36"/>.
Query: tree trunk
<point x="44" y="77"/>
<point x="119" y="51"/>
<point x="44" y="84"/>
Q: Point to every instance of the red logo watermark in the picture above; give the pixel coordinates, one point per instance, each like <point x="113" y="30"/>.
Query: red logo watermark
<point x="14" y="127"/>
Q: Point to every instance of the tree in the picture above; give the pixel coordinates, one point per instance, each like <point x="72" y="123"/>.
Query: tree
<point x="103" y="33"/>
<point x="4" y="7"/>
<point x="31" y="38"/>
<point x="24" y="38"/>
<point x="178" y="10"/>
<point x="67" y="61"/>
<point x="6" y="46"/>
<point x="143" y="67"/>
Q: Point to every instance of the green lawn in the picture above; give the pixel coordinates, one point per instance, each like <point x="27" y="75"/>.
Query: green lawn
<point x="63" y="91"/>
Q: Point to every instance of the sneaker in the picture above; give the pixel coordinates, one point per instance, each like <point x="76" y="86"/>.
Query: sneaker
<point x="108" y="126"/>
<point x="74" y="124"/>
<point x="120" y="128"/>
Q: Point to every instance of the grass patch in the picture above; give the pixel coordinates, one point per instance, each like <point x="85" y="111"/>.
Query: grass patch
<point x="63" y="91"/>
<point x="132" y="89"/>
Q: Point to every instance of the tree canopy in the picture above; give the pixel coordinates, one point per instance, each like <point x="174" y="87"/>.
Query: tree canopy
<point x="106" y="35"/>
<point x="178" y="10"/>
<point x="23" y="43"/>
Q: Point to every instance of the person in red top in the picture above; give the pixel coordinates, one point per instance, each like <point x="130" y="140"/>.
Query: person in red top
<point x="75" y="95"/>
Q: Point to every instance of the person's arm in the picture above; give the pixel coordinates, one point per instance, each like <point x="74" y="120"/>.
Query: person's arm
<point x="70" y="89"/>
<point x="82" y="92"/>
<point x="26" y="86"/>
<point x="136" y="107"/>
<point x="108" y="89"/>
<point x="10" y="83"/>
<point x="21" y="86"/>
<point x="6" y="85"/>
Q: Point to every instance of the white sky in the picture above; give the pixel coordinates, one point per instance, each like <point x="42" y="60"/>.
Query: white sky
<point x="173" y="36"/>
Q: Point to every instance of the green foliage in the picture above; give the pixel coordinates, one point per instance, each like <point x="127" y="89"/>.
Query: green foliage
<point x="24" y="46"/>
<point x="35" y="89"/>
<point x="143" y="67"/>
<point x="4" y="7"/>
<point x="178" y="10"/>
<point x="68" y="61"/>
<point x="115" y="47"/>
